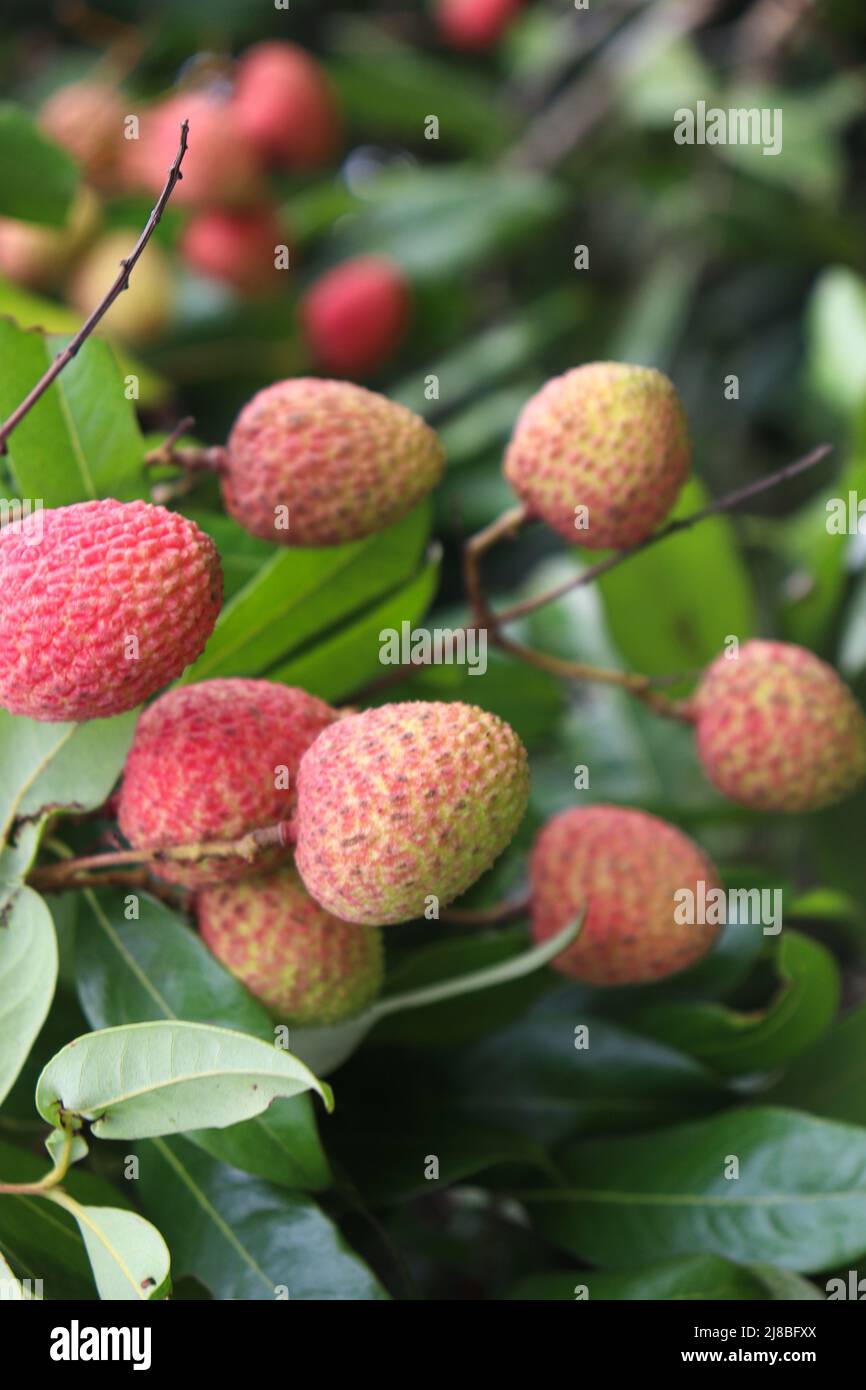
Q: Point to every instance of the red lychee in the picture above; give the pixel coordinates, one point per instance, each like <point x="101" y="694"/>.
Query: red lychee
<point x="312" y="462"/>
<point x="600" y="454"/>
<point x="307" y="967"/>
<point x="475" y="24"/>
<point x="213" y="761"/>
<point x="86" y="118"/>
<point x="219" y="167"/>
<point x="406" y="803"/>
<point x="236" y="245"/>
<point x="101" y="604"/>
<point x="284" y="105"/>
<point x="355" y="315"/>
<point x="778" y="730"/>
<point x="626" y="868"/>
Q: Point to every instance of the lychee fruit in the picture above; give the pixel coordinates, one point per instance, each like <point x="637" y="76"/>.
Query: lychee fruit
<point x="220" y="165"/>
<point x="38" y="256"/>
<point x="625" y="868"/>
<point x="307" y="967"/>
<point x="143" y="311"/>
<point x="600" y="454"/>
<point x="355" y="315"/>
<point x="475" y="24"/>
<point x="312" y="462"/>
<point x="86" y="119"/>
<point x="212" y="761"/>
<point x="237" y="246"/>
<point x="777" y="730"/>
<point x="101" y="604"/>
<point x="406" y="803"/>
<point x="284" y="106"/>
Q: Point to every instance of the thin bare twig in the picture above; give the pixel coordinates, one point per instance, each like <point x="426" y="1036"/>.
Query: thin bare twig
<point x="120" y="284"/>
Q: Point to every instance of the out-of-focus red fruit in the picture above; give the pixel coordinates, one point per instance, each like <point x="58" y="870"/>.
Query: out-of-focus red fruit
<point x="86" y="118"/>
<point x="38" y="256"/>
<point x="475" y="24"/>
<point x="237" y="246"/>
<point x="220" y="165"/>
<point x="355" y="315"/>
<point x="284" y="105"/>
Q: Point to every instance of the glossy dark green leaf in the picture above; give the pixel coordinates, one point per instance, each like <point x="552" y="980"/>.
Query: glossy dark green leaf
<point x="691" y="1278"/>
<point x="830" y="1079"/>
<point x="733" y="1042"/>
<point x="799" y="1201"/>
<point x="243" y="1238"/>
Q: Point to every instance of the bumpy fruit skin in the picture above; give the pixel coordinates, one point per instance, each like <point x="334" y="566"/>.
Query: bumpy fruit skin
<point x="86" y="118"/>
<point x="475" y="24"/>
<point x="355" y="315"/>
<point x="624" y="866"/>
<point x="345" y="462"/>
<point x="220" y="165"/>
<point x="284" y="105"/>
<point x="237" y="246"/>
<point x="406" y="801"/>
<point x="101" y="574"/>
<point x="307" y="967"/>
<point x="607" y="436"/>
<point x="778" y="730"/>
<point x="142" y="312"/>
<point x="204" y="766"/>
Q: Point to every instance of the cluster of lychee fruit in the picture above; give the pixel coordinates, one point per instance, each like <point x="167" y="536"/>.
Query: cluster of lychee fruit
<point x="390" y="813"/>
<point x="273" y="111"/>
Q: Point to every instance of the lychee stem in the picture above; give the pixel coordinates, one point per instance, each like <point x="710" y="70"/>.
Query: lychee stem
<point x="120" y="283"/>
<point x="505" y="911"/>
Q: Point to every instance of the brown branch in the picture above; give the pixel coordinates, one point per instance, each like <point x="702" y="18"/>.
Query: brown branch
<point x="721" y="504"/>
<point x="44" y="881"/>
<point x="250" y="847"/>
<point x="120" y="284"/>
<point x="163" y="455"/>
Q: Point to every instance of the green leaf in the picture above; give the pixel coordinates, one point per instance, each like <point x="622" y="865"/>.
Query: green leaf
<point x="56" y="1146"/>
<point x="700" y="593"/>
<point x="694" y="1278"/>
<point x="799" y="1201"/>
<point x="442" y="222"/>
<point x="128" y="1256"/>
<point x="152" y="967"/>
<point x="161" y="1078"/>
<point x="81" y="440"/>
<point x="342" y="664"/>
<point x="28" y="974"/>
<point x="37" y="178"/>
<point x="49" y="768"/>
<point x="302" y="593"/>
<point x="242" y="1238"/>
<point x="734" y="1043"/>
<point x="10" y="1288"/>
<point x="830" y="1079"/>
<point x="836" y="328"/>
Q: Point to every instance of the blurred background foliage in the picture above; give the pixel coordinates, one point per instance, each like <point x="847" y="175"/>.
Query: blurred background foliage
<point x="706" y="262"/>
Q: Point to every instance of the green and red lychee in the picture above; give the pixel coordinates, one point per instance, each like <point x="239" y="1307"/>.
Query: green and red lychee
<point x="212" y="761"/>
<point x="220" y="166"/>
<point x="312" y="462"/>
<point x="406" y="804"/>
<point x="778" y="730"/>
<point x="103" y="604"/>
<point x="601" y="453"/>
<point x="307" y="967"/>
<point x="625" y="868"/>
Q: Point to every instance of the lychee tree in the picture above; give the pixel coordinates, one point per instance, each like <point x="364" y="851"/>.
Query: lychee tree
<point x="262" y="899"/>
